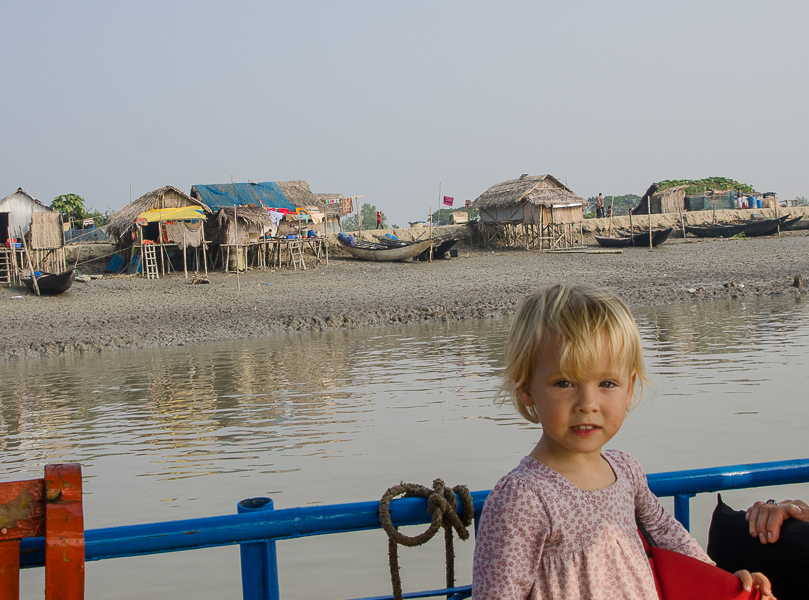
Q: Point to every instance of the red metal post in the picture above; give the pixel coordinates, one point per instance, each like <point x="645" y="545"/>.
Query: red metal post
<point x="10" y="569"/>
<point x="64" y="533"/>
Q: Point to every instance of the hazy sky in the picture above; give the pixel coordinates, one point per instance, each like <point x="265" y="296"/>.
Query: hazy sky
<point x="385" y="99"/>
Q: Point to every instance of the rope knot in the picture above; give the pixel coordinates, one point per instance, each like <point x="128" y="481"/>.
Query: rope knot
<point x="441" y="503"/>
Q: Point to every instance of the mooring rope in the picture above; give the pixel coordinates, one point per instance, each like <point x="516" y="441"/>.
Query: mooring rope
<point x="441" y="505"/>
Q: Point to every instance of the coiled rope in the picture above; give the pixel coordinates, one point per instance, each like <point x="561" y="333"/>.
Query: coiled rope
<point x="441" y="505"/>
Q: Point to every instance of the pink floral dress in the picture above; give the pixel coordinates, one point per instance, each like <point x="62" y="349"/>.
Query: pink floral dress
<point x="541" y="537"/>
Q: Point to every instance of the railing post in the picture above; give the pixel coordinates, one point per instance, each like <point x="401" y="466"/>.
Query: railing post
<point x="259" y="560"/>
<point x="682" y="509"/>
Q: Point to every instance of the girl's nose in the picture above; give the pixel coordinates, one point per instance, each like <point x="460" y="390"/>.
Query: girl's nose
<point x="586" y="401"/>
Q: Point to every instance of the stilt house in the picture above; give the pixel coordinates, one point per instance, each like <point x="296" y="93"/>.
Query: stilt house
<point x="23" y="215"/>
<point x="167" y="218"/>
<point x="532" y="211"/>
<point x="123" y="224"/>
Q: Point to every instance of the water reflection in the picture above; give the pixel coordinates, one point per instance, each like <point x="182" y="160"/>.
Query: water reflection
<point x="341" y="416"/>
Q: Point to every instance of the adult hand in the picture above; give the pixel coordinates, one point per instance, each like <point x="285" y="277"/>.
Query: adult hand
<point x="756" y="580"/>
<point x="765" y="519"/>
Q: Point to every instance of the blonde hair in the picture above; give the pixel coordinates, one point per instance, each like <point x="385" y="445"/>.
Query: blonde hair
<point x="589" y="321"/>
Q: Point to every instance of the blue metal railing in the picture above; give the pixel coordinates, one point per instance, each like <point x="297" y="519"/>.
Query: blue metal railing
<point x="257" y="526"/>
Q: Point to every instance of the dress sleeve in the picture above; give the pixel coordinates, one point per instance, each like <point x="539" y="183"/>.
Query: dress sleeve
<point x="666" y="531"/>
<point x="509" y="542"/>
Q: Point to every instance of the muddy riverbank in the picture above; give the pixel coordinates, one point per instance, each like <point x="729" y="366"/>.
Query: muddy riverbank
<point x="119" y="313"/>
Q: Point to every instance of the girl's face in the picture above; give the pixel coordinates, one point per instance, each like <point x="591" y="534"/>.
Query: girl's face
<point x="577" y="417"/>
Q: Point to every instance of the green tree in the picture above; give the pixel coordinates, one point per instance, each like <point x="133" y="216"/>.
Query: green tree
<point x="71" y="206"/>
<point x="99" y="218"/>
<point x="368" y="212"/>
<point x="441" y="216"/>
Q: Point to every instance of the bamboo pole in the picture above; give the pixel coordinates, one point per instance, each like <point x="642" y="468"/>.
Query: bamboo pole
<point x="612" y="210"/>
<point x="236" y="233"/>
<point x="649" y="206"/>
<point x="204" y="252"/>
<point x="359" y="221"/>
<point x="431" y="231"/>
<point x="185" y="251"/>
<point x="30" y="264"/>
<point x="682" y="219"/>
<point x="775" y="198"/>
<point x="631" y="227"/>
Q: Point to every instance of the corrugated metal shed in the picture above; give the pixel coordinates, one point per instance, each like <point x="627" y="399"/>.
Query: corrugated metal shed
<point x="228" y="195"/>
<point x="20" y="206"/>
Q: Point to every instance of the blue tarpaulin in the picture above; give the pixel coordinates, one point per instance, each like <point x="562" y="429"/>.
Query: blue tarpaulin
<point x="228" y="195"/>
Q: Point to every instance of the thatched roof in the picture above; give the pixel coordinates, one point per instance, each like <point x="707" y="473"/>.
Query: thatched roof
<point x="329" y="208"/>
<point x="166" y="197"/>
<point x="254" y="215"/>
<point x="667" y="200"/>
<point x="544" y="190"/>
<point x="298" y="192"/>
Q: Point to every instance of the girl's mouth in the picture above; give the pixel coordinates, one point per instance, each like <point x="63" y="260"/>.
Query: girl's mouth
<point x="585" y="430"/>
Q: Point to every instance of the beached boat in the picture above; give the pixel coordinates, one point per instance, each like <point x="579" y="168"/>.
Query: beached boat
<point x="641" y="239"/>
<point x="50" y="284"/>
<point x="613" y="242"/>
<point x="384" y="253"/>
<point x="725" y="230"/>
<point x="788" y="224"/>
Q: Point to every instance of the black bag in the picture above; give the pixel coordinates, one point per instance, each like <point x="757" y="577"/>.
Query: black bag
<point x="785" y="563"/>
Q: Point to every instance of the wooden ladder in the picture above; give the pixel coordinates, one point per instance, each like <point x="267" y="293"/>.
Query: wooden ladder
<point x="296" y="255"/>
<point x="150" y="262"/>
<point x="5" y="266"/>
<point x="49" y="508"/>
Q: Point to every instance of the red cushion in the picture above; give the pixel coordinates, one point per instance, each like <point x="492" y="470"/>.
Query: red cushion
<point x="681" y="577"/>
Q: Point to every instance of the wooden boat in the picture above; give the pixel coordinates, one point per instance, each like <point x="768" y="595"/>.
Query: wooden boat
<point x="613" y="242"/>
<point x="440" y="251"/>
<point x="790" y="222"/>
<point x="726" y="230"/>
<point x="50" y="284"/>
<point x="641" y="239"/>
<point x="384" y="253"/>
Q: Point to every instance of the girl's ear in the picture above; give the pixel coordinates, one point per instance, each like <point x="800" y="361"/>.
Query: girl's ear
<point x="632" y="379"/>
<point x="524" y="395"/>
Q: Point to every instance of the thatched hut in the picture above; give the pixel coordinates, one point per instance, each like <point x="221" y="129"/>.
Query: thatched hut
<point x="310" y="211"/>
<point x="122" y="224"/>
<point x="240" y="225"/>
<point x="331" y="207"/>
<point x="532" y="211"/>
<point x="668" y="200"/>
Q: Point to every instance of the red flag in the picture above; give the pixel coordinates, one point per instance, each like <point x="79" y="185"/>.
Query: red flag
<point x="448" y="201"/>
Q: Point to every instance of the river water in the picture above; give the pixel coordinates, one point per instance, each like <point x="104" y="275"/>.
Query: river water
<point x="340" y="416"/>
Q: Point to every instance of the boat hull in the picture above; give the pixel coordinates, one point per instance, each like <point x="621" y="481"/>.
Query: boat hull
<point x="50" y="284"/>
<point x="642" y="239"/>
<point x="751" y="229"/>
<point x="613" y="242"/>
<point x="388" y="254"/>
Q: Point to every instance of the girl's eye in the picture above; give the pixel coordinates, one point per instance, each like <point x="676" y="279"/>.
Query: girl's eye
<point x="608" y="384"/>
<point x="563" y="384"/>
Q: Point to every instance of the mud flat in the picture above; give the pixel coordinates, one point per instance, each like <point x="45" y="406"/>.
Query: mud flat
<point x="125" y="312"/>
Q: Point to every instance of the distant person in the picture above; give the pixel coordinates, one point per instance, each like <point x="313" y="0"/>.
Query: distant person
<point x="379" y="219"/>
<point x="599" y="206"/>
<point x="562" y="524"/>
<point x="766" y="518"/>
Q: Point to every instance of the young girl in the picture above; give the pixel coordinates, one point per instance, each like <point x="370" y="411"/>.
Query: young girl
<point x="562" y="525"/>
